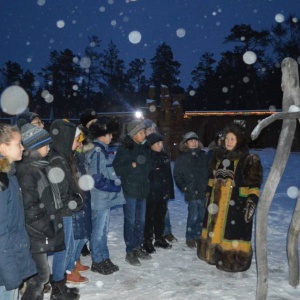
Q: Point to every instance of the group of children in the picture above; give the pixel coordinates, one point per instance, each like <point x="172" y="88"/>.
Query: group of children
<point x="47" y="207"/>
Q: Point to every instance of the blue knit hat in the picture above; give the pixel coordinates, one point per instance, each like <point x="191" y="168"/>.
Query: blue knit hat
<point x="34" y="137"/>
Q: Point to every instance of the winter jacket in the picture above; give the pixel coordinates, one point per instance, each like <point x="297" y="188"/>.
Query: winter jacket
<point x="190" y="172"/>
<point x="61" y="157"/>
<point x="135" y="181"/>
<point x="82" y="220"/>
<point x="107" y="191"/>
<point x="161" y="179"/>
<point x="16" y="263"/>
<point x="42" y="207"/>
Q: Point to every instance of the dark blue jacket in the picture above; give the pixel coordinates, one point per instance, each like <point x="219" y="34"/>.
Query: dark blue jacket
<point x="16" y="263"/>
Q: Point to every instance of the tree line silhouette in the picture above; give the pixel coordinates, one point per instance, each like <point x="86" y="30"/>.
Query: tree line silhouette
<point x="99" y="79"/>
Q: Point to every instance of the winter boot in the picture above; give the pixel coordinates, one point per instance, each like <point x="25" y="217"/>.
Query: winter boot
<point x="102" y="268"/>
<point x="132" y="259"/>
<point x="110" y="264"/>
<point x="161" y="243"/>
<point x="191" y="243"/>
<point x="142" y="254"/>
<point x="80" y="267"/>
<point x="75" y="277"/>
<point x="148" y="247"/>
<point x="61" y="292"/>
<point x="170" y="238"/>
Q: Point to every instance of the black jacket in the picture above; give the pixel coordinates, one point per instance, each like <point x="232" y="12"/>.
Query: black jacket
<point x="42" y="209"/>
<point x="61" y="157"/>
<point x="191" y="173"/>
<point x="161" y="179"/>
<point x="135" y="181"/>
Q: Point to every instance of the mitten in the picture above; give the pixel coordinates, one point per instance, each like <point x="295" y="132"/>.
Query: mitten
<point x="249" y="210"/>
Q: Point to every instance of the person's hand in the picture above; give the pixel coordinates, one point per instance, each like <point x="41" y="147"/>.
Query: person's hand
<point x="207" y="197"/>
<point x="249" y="210"/>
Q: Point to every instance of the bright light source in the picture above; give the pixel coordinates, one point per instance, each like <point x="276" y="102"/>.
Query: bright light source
<point x="138" y="114"/>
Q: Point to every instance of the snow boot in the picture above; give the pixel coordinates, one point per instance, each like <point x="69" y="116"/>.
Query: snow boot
<point x="110" y="265"/>
<point x="148" y="246"/>
<point x="191" y="243"/>
<point x="142" y="254"/>
<point x="80" y="267"/>
<point x="102" y="268"/>
<point x="132" y="259"/>
<point x="61" y="292"/>
<point x="170" y="238"/>
<point x="75" y="277"/>
<point x="85" y="251"/>
<point x="161" y="243"/>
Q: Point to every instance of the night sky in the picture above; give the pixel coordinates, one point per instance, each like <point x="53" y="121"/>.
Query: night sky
<point x="30" y="29"/>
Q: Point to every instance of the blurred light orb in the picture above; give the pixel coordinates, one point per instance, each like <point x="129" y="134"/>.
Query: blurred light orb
<point x="99" y="283"/>
<point x="152" y="108"/>
<point x="246" y="79"/>
<point x="60" y="23"/>
<point x="134" y="37"/>
<point x="292" y="192"/>
<point x="295" y="20"/>
<point x="192" y="92"/>
<point x="272" y="108"/>
<point x="14" y="100"/>
<point x="180" y="32"/>
<point x="41" y="2"/>
<point x="113" y="22"/>
<point x="249" y="57"/>
<point x="225" y="89"/>
<point x="279" y="18"/>
<point x="102" y="9"/>
<point x="56" y="175"/>
<point x="86" y="182"/>
<point x="85" y="62"/>
<point x="213" y="208"/>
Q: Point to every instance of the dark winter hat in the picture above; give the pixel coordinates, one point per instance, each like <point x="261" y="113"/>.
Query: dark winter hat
<point x="87" y="116"/>
<point x="190" y="136"/>
<point x="103" y="126"/>
<point x="154" y="137"/>
<point x="134" y="127"/>
<point x="149" y="124"/>
<point x="34" y="137"/>
<point x="25" y="118"/>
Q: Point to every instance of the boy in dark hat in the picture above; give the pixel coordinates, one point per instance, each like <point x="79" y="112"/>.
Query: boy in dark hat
<point x="105" y="194"/>
<point x="29" y="117"/>
<point x="133" y="164"/>
<point x="190" y="174"/>
<point x="161" y="190"/>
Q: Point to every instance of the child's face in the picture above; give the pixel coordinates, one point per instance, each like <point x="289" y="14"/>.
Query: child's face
<point x="106" y="139"/>
<point x="140" y="136"/>
<point x="157" y="147"/>
<point x="75" y="143"/>
<point x="43" y="151"/>
<point x="14" y="149"/>
<point x="192" y="144"/>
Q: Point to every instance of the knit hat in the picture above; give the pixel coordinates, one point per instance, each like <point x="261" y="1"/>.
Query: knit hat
<point x="218" y="136"/>
<point x="34" y="137"/>
<point x="190" y="136"/>
<point x="25" y="118"/>
<point x="149" y="124"/>
<point x="154" y="137"/>
<point x="87" y="116"/>
<point x="134" y="127"/>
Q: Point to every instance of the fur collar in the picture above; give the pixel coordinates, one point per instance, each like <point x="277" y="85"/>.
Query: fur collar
<point x="5" y="167"/>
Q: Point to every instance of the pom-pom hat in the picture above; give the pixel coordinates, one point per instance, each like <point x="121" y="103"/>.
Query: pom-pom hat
<point x="34" y="137"/>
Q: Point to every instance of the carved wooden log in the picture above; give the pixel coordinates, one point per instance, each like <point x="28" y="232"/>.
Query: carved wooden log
<point x="290" y="86"/>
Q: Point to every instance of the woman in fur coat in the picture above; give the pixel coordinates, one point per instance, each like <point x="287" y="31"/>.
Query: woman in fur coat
<point x="232" y="194"/>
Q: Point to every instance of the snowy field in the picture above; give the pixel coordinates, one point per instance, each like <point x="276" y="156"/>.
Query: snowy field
<point x="178" y="273"/>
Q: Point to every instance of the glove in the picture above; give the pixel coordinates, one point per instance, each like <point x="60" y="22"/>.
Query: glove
<point x="249" y="210"/>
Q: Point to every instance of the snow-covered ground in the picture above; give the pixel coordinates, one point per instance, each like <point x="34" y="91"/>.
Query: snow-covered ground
<point x="178" y="273"/>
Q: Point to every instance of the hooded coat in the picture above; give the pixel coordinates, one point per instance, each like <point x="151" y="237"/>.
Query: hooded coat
<point x="61" y="157"/>
<point x="43" y="218"/>
<point x="16" y="263"/>
<point x="234" y="183"/>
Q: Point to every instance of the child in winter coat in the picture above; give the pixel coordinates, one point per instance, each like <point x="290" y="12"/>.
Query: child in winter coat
<point x="105" y="194"/>
<point x="16" y="263"/>
<point x="161" y="190"/>
<point x="133" y="164"/>
<point x="41" y="204"/>
<point x="64" y="142"/>
<point x="190" y="174"/>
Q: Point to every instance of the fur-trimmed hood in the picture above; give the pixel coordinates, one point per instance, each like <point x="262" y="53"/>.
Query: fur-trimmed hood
<point x="5" y="168"/>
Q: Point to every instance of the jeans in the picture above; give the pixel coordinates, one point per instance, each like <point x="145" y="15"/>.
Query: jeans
<point x="98" y="240"/>
<point x="8" y="295"/>
<point x="196" y="211"/>
<point x="62" y="259"/>
<point x="168" y="227"/>
<point x="35" y="285"/>
<point x="134" y="222"/>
